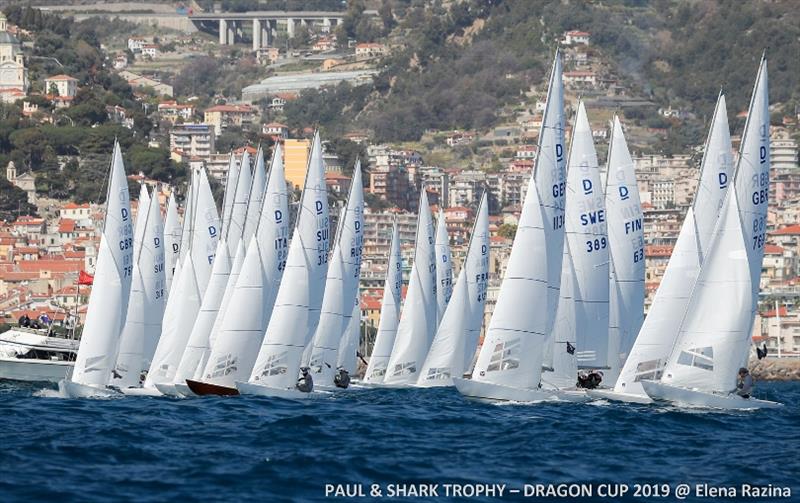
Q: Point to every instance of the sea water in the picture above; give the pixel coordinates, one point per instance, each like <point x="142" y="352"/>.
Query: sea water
<point x="411" y="440"/>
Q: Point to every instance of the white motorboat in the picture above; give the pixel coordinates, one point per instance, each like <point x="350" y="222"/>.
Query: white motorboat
<point x="28" y="354"/>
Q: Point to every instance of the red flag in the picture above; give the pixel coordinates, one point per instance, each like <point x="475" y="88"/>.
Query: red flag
<point x="84" y="278"/>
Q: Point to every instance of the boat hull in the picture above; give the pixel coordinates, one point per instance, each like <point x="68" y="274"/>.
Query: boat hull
<point x="69" y="389"/>
<point x="168" y="389"/>
<point x="19" y="369"/>
<point x="248" y="388"/>
<point x="497" y="392"/>
<point x="571" y="395"/>
<point x="140" y="392"/>
<point x="659" y="391"/>
<point x="203" y="388"/>
<point x="608" y="394"/>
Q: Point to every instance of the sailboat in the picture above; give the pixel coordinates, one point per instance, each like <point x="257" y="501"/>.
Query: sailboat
<point x="457" y="335"/>
<point x="197" y="345"/>
<point x="341" y="287"/>
<point x="147" y="300"/>
<point x="444" y="267"/>
<point x="172" y="240"/>
<point x="108" y="303"/>
<point x="714" y="338"/>
<point x="660" y="328"/>
<point x="242" y="325"/>
<point x="297" y="306"/>
<point x="188" y="288"/>
<point x="626" y="252"/>
<point x="509" y="364"/>
<point x="390" y="314"/>
<point x="580" y="333"/>
<point x="418" y="320"/>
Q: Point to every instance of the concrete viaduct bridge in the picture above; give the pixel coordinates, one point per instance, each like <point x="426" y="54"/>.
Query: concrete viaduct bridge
<point x="232" y="26"/>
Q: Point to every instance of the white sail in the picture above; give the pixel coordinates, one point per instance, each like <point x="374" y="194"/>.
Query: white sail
<point x="172" y="240"/>
<point x="390" y="313"/>
<point x="108" y="303"/>
<point x="582" y="315"/>
<point x="341" y="286"/>
<point x="241" y="195"/>
<point x="146" y="305"/>
<point x="512" y="349"/>
<point x="444" y="268"/>
<point x="660" y="328"/>
<point x="626" y="252"/>
<point x="141" y="217"/>
<point x="715" y="334"/>
<point x="297" y="306"/>
<point x="234" y="349"/>
<point x="186" y="297"/>
<point x="257" y="187"/>
<point x="457" y="335"/>
<point x="231" y="180"/>
<point x="347" y="355"/>
<point x="188" y="217"/>
<point x="550" y="179"/>
<point x="418" y="321"/>
<point x="198" y="342"/>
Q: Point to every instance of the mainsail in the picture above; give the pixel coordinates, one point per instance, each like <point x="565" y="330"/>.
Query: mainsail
<point x="172" y="240"/>
<point x="418" y="321"/>
<point x="108" y="303"/>
<point x="341" y="285"/>
<point x="444" y="267"/>
<point x="626" y="252"/>
<point x="457" y="335"/>
<point x="146" y="305"/>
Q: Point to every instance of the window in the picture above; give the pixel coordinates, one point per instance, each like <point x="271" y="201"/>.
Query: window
<point x="405" y="368"/>
<point x="702" y="358"/>
<point x="438" y="373"/>
<point x="275" y="365"/>
<point x="651" y="370"/>
<point x="505" y="356"/>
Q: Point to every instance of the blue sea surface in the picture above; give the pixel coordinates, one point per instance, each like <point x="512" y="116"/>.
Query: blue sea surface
<point x="260" y="449"/>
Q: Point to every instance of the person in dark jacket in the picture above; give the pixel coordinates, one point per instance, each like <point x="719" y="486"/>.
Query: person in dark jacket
<point x="744" y="384"/>
<point x="305" y="383"/>
<point x="342" y="378"/>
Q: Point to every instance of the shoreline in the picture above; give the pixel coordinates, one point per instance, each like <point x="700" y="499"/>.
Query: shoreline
<point x="775" y="369"/>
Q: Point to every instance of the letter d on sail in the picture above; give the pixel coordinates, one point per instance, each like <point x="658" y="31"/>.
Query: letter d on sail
<point x="587" y="186"/>
<point x="623" y="192"/>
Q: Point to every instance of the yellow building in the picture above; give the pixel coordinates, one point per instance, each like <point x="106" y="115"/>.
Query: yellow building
<point x="295" y="159"/>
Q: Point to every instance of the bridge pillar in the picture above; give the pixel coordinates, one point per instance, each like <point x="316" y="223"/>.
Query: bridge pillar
<point x="326" y="25"/>
<point x="257" y="32"/>
<point x="223" y="32"/>
<point x="290" y="27"/>
<point x="231" y="32"/>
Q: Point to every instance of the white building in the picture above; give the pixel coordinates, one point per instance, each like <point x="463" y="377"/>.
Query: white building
<point x="192" y="139"/>
<point x="13" y="74"/>
<point x="63" y="85"/>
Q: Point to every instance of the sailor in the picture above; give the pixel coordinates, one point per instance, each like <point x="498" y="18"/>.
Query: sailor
<point x="305" y="383"/>
<point x="744" y="384"/>
<point x="595" y="378"/>
<point x="583" y="380"/>
<point x="342" y="378"/>
<point x="25" y="321"/>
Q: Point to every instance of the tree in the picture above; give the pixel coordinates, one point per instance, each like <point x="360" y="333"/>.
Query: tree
<point x="507" y="231"/>
<point x="13" y="201"/>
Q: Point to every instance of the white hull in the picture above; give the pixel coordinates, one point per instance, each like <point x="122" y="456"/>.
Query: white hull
<point x="570" y="395"/>
<point x="247" y="388"/>
<point x="437" y="383"/>
<point x="692" y="398"/>
<point x="497" y="392"/>
<point x="69" y="389"/>
<point x="168" y="389"/>
<point x="608" y="394"/>
<point x="19" y="369"/>
<point x="183" y="389"/>
<point x="140" y="392"/>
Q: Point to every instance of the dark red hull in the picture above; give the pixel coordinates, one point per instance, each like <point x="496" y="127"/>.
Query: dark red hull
<point x="204" y="388"/>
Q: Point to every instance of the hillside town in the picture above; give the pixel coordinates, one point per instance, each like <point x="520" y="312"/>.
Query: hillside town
<point x="42" y="252"/>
